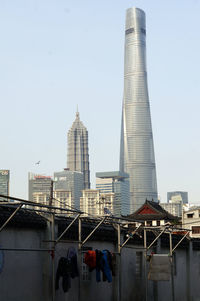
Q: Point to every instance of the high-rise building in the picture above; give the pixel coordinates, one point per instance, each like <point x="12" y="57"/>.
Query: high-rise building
<point x="175" y="196"/>
<point x="95" y="203"/>
<point x="116" y="182"/>
<point x="78" y="153"/>
<point x="136" y="149"/>
<point x="4" y="182"/>
<point x="61" y="199"/>
<point x="175" y="208"/>
<point x="68" y="180"/>
<point x="39" y="184"/>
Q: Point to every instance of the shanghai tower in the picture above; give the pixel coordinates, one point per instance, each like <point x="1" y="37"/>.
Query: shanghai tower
<point x="136" y="147"/>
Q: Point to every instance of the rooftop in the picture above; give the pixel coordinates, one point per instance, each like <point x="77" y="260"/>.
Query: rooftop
<point x="112" y="174"/>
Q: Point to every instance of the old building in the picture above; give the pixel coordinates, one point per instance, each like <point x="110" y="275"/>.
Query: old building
<point x="191" y="221"/>
<point x="152" y="214"/>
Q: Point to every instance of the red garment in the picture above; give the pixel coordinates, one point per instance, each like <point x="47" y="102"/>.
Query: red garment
<point x="90" y="259"/>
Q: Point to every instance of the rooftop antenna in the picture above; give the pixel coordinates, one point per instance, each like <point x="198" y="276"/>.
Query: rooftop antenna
<point x="77" y="112"/>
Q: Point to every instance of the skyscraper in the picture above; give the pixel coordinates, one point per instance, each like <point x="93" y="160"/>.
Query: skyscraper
<point x="72" y="181"/>
<point x="115" y="182"/>
<point x="38" y="184"/>
<point x="78" y="154"/>
<point x="136" y="149"/>
<point x="4" y="182"/>
<point x="174" y="196"/>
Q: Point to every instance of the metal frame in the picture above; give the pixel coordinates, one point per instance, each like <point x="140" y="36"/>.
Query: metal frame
<point x="11" y="216"/>
<point x="112" y="220"/>
<point x="68" y="227"/>
<point x="97" y="226"/>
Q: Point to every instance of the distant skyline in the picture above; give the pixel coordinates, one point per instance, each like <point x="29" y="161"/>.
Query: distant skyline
<point x="57" y="54"/>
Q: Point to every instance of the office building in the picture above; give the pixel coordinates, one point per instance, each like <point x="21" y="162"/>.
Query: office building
<point x="116" y="182"/>
<point x="175" y="196"/>
<point x="78" y="153"/>
<point x="4" y="182"/>
<point x="175" y="208"/>
<point x="94" y="203"/>
<point x="61" y="199"/>
<point x="72" y="181"/>
<point x="137" y="149"/>
<point x="39" y="184"/>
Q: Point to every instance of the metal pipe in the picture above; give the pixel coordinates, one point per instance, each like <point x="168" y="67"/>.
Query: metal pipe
<point x="170" y="244"/>
<point x="180" y="241"/>
<point x="67" y="229"/>
<point x="79" y="233"/>
<point x="31" y="203"/>
<point x="156" y="239"/>
<point x="119" y="261"/>
<point x="79" y="258"/>
<point x="130" y="236"/>
<point x="26" y="250"/>
<point x="53" y="257"/>
<point x="10" y="217"/>
<point x="145" y="265"/>
<point x="99" y="224"/>
<point x="172" y="270"/>
<point x="118" y="239"/>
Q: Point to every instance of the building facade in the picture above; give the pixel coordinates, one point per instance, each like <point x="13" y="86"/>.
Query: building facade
<point x="174" y="208"/>
<point x="72" y="181"/>
<point x="116" y="182"/>
<point x="175" y="196"/>
<point x="94" y="203"/>
<point x="78" y="151"/>
<point x="4" y="182"/>
<point x="137" y="149"/>
<point x="39" y="184"/>
<point x="191" y="221"/>
<point x="61" y="199"/>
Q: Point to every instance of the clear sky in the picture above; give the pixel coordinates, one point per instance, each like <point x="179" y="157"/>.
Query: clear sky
<point x="57" y="54"/>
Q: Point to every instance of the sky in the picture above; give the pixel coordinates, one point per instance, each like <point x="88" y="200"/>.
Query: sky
<point x="57" y="54"/>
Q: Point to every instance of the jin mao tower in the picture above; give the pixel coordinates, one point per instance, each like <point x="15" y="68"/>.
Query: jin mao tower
<point x="78" y="153"/>
<point x="136" y="148"/>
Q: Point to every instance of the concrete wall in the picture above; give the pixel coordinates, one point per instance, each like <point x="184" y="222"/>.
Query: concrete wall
<point x="28" y="275"/>
<point x="21" y="276"/>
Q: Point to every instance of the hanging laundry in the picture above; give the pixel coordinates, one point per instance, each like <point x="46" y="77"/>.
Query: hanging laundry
<point x="160" y="267"/>
<point x="106" y="266"/>
<point x="64" y="270"/>
<point x="90" y="260"/>
<point x="67" y="269"/>
<point x="102" y="261"/>
<point x="99" y="265"/>
<point x="72" y="257"/>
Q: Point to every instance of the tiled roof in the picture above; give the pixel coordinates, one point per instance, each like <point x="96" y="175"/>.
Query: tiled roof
<point x="160" y="213"/>
<point x="23" y="218"/>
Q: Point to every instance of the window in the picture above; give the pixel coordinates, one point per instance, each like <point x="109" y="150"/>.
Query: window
<point x="149" y="223"/>
<point x="190" y="215"/>
<point x="158" y="223"/>
<point x="143" y="31"/>
<point x="130" y="30"/>
<point x="195" y="229"/>
<point x="86" y="275"/>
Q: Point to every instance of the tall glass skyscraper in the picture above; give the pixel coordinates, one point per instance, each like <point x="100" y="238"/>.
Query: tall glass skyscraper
<point x="73" y="181"/>
<point x="4" y="182"/>
<point x="78" y="153"/>
<point x="136" y="149"/>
